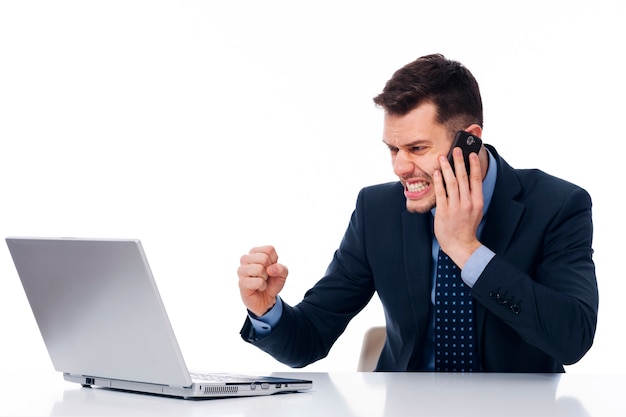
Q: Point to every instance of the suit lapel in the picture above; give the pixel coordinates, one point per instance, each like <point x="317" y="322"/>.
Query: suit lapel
<point x="502" y="219"/>
<point x="417" y="243"/>
<point x="505" y="212"/>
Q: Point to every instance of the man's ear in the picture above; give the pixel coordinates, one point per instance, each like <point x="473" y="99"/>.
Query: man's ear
<point x="475" y="130"/>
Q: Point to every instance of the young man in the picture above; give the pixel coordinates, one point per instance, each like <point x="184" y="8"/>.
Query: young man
<point x="521" y="240"/>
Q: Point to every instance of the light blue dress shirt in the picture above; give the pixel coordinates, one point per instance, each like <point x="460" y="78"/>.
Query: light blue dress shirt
<point x="470" y="273"/>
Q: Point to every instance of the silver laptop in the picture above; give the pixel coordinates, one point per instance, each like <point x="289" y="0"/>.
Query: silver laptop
<point x="104" y="324"/>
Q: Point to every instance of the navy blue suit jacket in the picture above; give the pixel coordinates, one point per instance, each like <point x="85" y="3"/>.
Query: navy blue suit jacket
<point x="536" y="302"/>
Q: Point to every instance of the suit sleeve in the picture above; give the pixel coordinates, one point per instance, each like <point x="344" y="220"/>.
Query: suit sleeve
<point x="307" y="331"/>
<point x="554" y="306"/>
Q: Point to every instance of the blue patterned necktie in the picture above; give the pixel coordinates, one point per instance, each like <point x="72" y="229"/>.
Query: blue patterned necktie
<point x="455" y="347"/>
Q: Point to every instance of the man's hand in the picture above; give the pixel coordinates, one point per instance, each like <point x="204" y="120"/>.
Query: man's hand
<point x="261" y="278"/>
<point x="459" y="206"/>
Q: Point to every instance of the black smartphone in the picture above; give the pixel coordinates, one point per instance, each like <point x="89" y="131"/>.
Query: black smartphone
<point x="468" y="143"/>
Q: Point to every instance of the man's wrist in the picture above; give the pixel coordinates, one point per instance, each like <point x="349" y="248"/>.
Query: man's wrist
<point x="476" y="264"/>
<point x="462" y="254"/>
<point x="263" y="324"/>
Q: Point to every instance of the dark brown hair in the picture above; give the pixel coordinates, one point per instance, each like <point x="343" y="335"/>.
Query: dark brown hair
<point x="446" y="83"/>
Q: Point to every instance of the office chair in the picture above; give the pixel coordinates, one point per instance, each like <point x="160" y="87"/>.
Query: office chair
<point x="373" y="342"/>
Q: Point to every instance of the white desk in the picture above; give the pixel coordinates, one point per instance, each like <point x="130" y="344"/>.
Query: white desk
<point x="342" y="395"/>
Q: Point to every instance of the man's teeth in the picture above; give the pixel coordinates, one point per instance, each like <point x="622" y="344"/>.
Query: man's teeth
<point x="416" y="187"/>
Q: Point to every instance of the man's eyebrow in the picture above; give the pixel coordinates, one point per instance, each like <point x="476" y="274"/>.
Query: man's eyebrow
<point x="417" y="142"/>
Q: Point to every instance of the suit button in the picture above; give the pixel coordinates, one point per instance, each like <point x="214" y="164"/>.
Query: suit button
<point x="515" y="309"/>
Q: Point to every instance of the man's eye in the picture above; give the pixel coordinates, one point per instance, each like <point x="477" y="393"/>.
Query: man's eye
<point x="393" y="150"/>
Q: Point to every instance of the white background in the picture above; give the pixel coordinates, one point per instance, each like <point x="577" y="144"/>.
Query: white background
<point x="207" y="127"/>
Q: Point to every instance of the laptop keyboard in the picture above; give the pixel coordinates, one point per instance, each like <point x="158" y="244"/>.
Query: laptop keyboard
<point x="220" y="377"/>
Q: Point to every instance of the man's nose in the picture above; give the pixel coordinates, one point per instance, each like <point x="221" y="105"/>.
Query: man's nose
<point x="402" y="164"/>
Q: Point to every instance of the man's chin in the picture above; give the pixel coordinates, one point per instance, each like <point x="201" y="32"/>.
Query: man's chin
<point x="414" y="206"/>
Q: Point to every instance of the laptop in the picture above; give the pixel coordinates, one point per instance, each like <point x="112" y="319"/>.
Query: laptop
<point x="104" y="324"/>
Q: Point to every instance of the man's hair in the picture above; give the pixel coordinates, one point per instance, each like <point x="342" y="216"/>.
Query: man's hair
<point x="434" y="78"/>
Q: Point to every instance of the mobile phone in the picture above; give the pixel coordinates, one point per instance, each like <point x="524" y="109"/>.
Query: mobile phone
<point x="468" y="143"/>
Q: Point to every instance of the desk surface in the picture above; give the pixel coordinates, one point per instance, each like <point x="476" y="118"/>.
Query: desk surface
<point x="340" y="394"/>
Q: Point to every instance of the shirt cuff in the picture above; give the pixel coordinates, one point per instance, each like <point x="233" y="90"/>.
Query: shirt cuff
<point x="263" y="324"/>
<point x="476" y="264"/>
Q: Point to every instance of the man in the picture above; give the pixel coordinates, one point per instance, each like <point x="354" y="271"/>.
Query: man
<point x="521" y="239"/>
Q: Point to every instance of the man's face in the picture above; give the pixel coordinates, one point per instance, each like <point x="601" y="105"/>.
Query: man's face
<point x="415" y="141"/>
